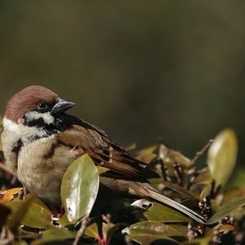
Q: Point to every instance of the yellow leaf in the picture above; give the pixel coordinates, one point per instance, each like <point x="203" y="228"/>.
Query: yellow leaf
<point x="222" y="156"/>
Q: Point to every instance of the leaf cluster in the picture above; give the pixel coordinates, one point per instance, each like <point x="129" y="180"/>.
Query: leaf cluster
<point x="26" y="220"/>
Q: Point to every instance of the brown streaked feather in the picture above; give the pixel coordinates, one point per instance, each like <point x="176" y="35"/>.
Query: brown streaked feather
<point x="103" y="151"/>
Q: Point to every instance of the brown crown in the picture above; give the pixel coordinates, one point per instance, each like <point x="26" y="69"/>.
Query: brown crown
<point x="27" y="99"/>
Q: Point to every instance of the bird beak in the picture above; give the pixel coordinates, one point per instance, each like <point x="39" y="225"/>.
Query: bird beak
<point x="62" y="105"/>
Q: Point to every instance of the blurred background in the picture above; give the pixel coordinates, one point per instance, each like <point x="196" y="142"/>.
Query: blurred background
<point x="140" y="70"/>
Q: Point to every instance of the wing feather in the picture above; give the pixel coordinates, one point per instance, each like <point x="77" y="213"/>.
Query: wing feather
<point x="103" y="151"/>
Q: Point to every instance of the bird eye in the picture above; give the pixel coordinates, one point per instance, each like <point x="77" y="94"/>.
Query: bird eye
<point x="42" y="106"/>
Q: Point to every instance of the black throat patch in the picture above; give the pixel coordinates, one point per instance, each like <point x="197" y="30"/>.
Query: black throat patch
<point x="48" y="124"/>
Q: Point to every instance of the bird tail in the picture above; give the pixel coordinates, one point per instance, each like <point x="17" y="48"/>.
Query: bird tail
<point x="154" y="194"/>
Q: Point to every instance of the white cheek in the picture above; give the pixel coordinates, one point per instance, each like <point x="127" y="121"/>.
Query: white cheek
<point x="9" y="125"/>
<point x="25" y="133"/>
<point x="48" y="118"/>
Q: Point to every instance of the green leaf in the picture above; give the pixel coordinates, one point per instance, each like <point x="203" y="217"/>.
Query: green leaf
<point x="54" y="234"/>
<point x="204" y="177"/>
<point x="37" y="214"/>
<point x="107" y="229"/>
<point x="79" y="189"/>
<point x="102" y="170"/>
<point x="159" y="212"/>
<point x="222" y="156"/>
<point x="226" y="210"/>
<point x="146" y="232"/>
<point x="19" y="210"/>
<point x="182" y="230"/>
<point x="147" y="154"/>
<point x="92" y="231"/>
<point x="170" y="156"/>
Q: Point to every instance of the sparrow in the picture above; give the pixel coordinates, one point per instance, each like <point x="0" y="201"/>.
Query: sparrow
<point x="40" y="140"/>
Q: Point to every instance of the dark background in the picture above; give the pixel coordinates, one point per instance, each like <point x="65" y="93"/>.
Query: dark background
<point x="138" y="69"/>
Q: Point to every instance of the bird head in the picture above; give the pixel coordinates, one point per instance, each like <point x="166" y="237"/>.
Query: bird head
<point x="35" y="111"/>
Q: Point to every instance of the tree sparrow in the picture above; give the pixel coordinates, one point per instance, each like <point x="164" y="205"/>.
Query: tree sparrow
<point x="40" y="141"/>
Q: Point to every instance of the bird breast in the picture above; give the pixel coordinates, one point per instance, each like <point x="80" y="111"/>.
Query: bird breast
<point x="42" y="164"/>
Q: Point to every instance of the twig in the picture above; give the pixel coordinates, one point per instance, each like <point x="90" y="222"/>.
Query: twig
<point x="163" y="169"/>
<point x="6" y="236"/>
<point x="178" y="173"/>
<point x="82" y="229"/>
<point x="199" y="153"/>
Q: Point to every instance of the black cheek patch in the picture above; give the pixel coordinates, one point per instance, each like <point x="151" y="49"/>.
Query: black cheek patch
<point x="35" y="122"/>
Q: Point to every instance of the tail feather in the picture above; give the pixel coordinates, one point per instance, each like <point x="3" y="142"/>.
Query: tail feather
<point x="154" y="194"/>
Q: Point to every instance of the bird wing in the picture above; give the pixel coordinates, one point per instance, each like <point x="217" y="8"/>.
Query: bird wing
<point x="86" y="138"/>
